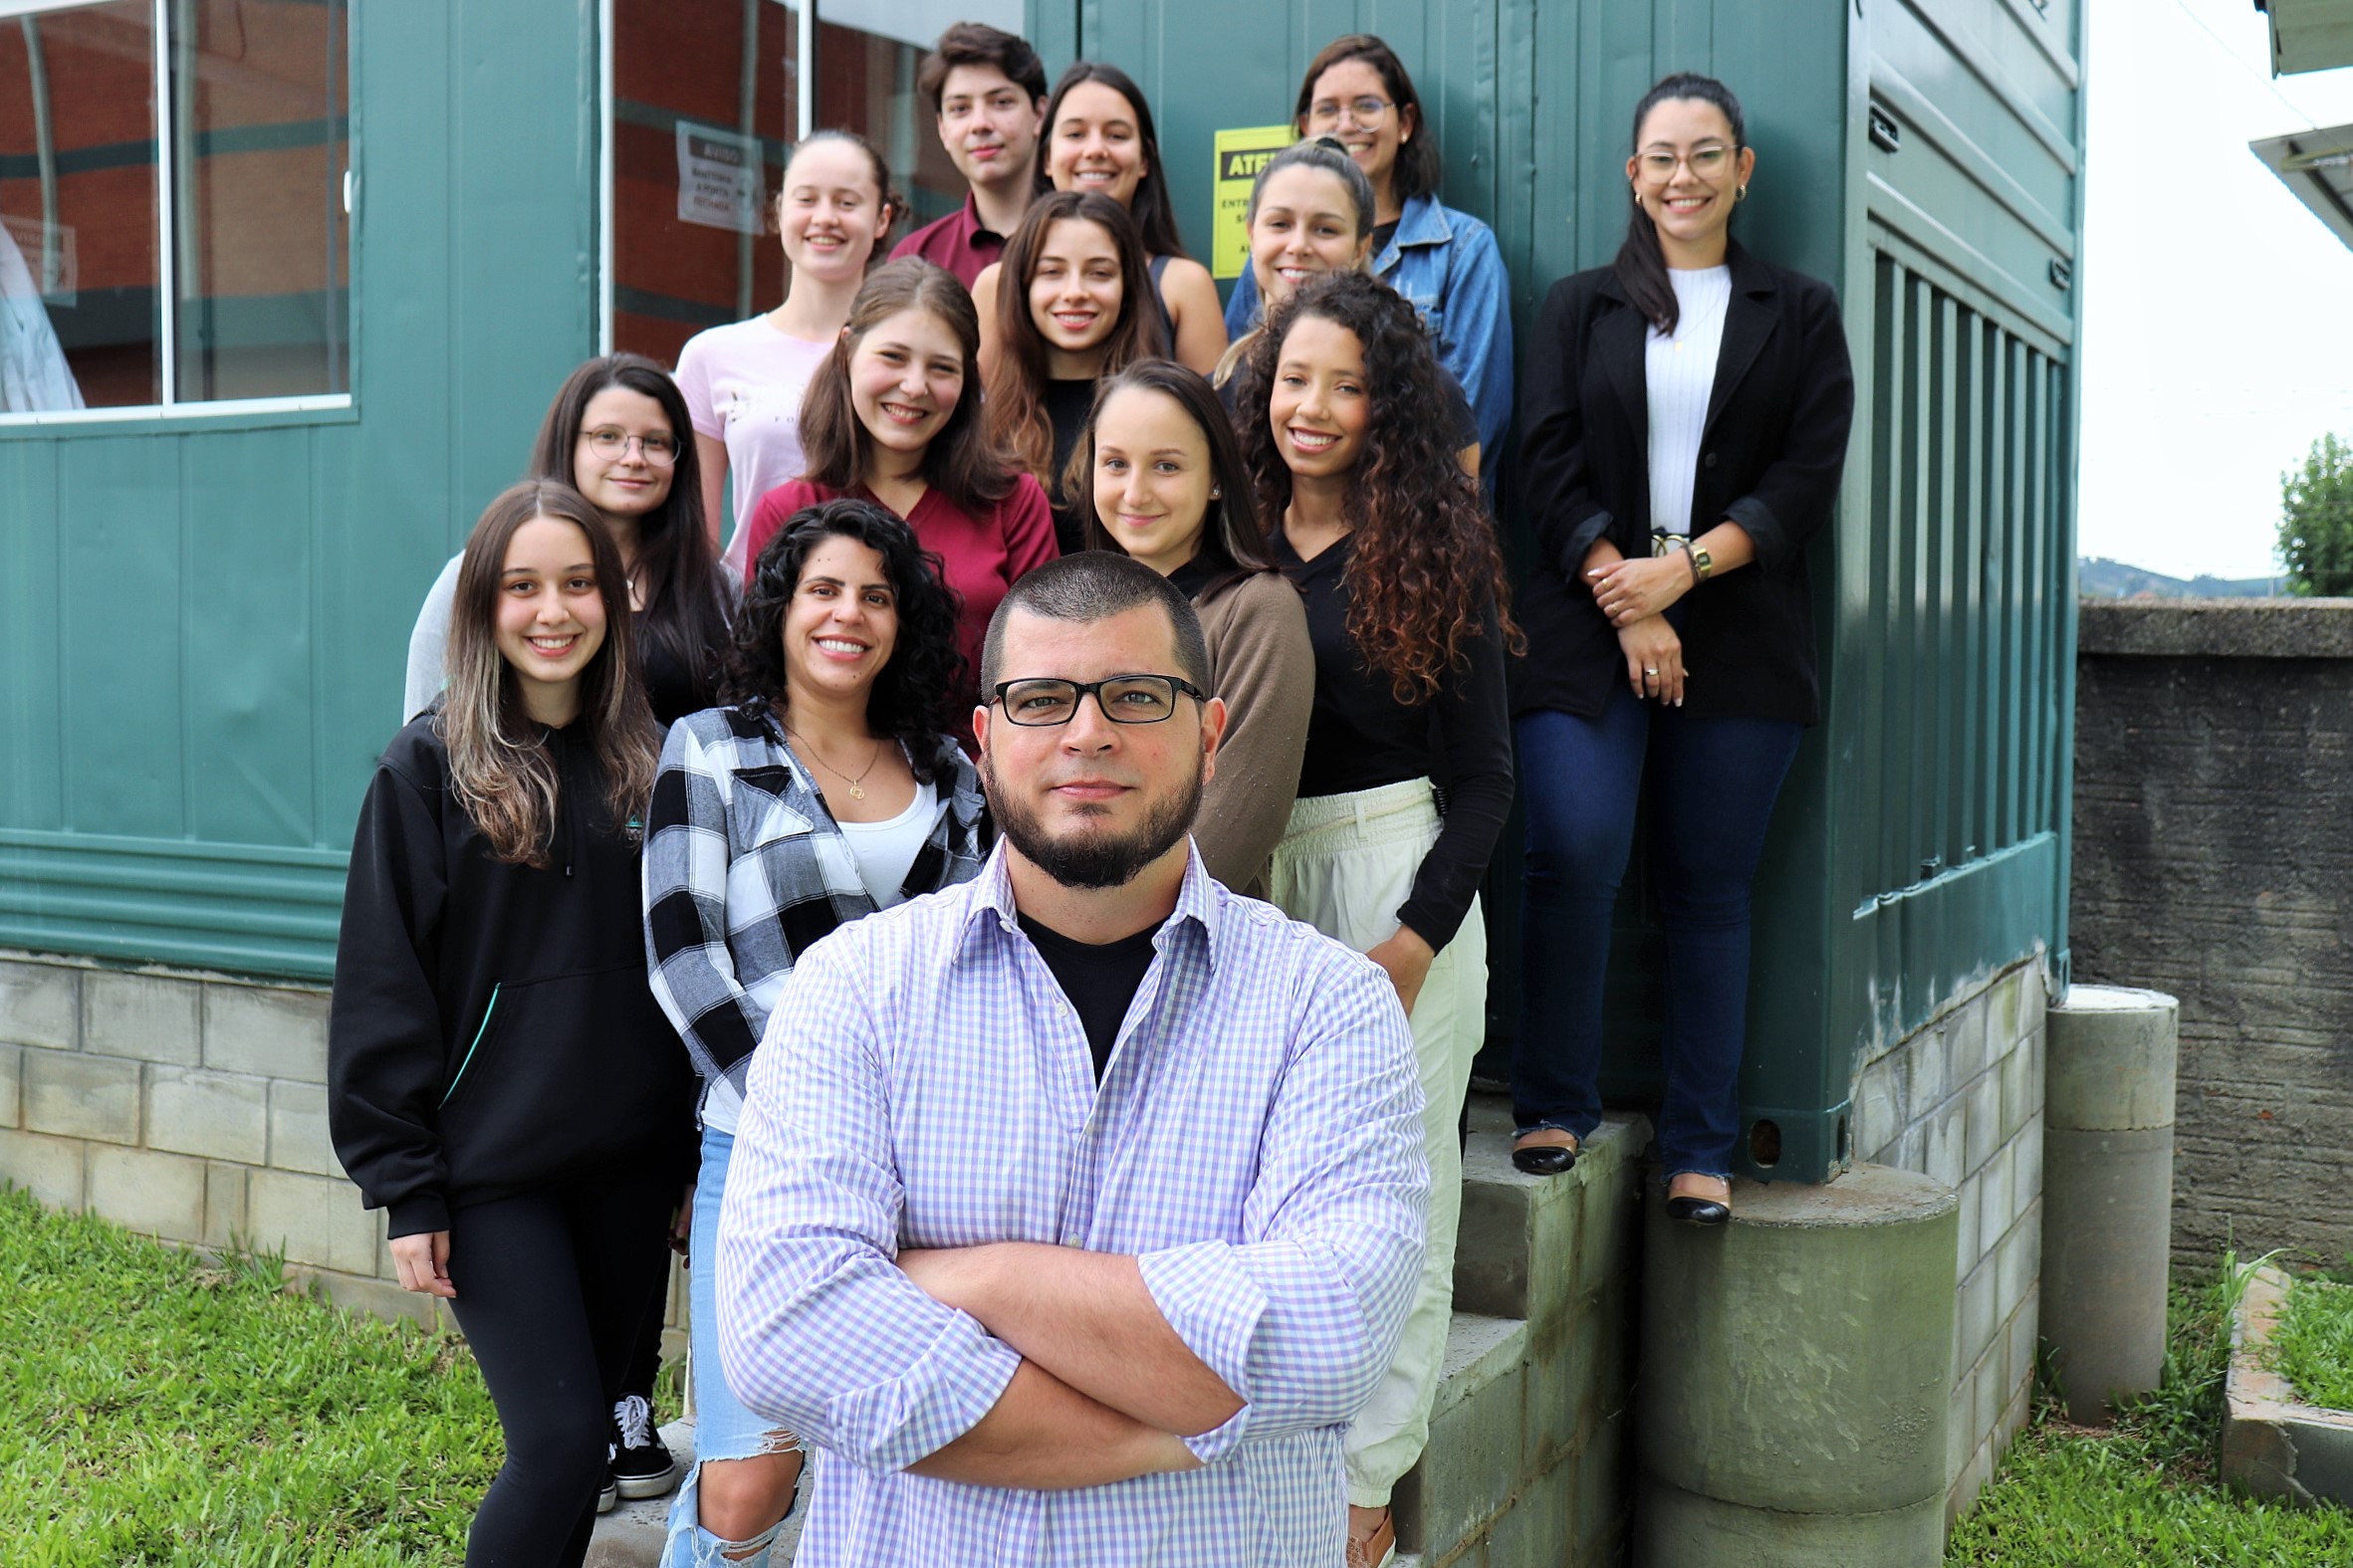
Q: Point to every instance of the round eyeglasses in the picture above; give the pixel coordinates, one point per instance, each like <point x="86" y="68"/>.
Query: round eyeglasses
<point x="1125" y="699"/>
<point x="1658" y="166"/>
<point x="1367" y="111"/>
<point x="610" y="444"/>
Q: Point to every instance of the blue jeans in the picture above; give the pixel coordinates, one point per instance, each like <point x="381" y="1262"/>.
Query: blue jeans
<point x="1712" y="784"/>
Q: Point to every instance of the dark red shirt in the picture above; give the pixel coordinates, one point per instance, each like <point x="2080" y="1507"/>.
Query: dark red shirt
<point x="983" y="553"/>
<point x="956" y="242"/>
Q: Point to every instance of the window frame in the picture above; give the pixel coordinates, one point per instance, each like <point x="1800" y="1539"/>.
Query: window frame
<point x="172" y="413"/>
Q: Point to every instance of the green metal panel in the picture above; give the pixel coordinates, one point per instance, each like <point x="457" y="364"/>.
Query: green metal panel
<point x="204" y="619"/>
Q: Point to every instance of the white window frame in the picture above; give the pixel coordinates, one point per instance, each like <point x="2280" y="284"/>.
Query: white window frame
<point x="167" y="263"/>
<point x="803" y="116"/>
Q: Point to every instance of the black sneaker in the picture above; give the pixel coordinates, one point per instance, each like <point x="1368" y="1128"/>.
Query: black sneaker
<point x="608" y="1495"/>
<point x="642" y="1467"/>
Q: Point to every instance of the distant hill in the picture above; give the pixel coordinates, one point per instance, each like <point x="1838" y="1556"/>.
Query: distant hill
<point x="2099" y="578"/>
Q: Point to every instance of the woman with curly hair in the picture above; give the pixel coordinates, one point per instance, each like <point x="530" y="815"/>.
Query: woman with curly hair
<point x="824" y="792"/>
<point x="1408" y="770"/>
<point x="1077" y="308"/>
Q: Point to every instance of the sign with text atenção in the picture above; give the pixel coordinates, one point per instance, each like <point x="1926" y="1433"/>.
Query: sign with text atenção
<point x="1241" y="154"/>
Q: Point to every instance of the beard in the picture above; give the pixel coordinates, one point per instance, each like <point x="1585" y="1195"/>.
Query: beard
<point x="1087" y="859"/>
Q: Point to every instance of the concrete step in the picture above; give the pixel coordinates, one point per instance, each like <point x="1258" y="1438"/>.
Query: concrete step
<point x="1533" y="1246"/>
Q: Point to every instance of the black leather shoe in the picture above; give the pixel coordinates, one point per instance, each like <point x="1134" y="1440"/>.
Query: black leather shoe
<point x="1698" y="1210"/>
<point x="1544" y="1158"/>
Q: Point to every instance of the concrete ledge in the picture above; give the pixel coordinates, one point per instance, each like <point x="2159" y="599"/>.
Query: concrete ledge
<point x="2281" y="628"/>
<point x="2272" y="1442"/>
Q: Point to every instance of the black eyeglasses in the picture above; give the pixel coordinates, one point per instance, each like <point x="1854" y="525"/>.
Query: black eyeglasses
<point x="1125" y="699"/>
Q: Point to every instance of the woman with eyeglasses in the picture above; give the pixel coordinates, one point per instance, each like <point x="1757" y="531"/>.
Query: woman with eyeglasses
<point x="1442" y="259"/>
<point x="1407" y="776"/>
<point x="618" y="433"/>
<point x="1682" y="437"/>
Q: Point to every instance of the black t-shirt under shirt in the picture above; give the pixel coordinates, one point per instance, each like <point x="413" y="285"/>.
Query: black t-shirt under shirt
<point x="1101" y="978"/>
<point x="1382" y="233"/>
<point x="1067" y="403"/>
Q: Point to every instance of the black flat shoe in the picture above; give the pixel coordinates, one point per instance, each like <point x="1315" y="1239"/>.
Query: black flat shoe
<point x="1698" y="1210"/>
<point x="1544" y="1158"/>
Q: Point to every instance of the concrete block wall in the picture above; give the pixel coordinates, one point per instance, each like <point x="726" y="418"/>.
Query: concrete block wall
<point x="1961" y="1100"/>
<point x="191" y="1107"/>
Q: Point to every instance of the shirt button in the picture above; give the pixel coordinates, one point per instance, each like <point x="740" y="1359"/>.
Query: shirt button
<point x="1709" y="461"/>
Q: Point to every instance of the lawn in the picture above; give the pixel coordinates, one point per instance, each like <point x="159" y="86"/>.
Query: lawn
<point x="2314" y="1345"/>
<point x="2145" y="1493"/>
<point x="161" y="1410"/>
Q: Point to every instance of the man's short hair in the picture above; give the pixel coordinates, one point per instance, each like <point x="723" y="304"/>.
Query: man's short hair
<point x="1097" y="585"/>
<point x="979" y="44"/>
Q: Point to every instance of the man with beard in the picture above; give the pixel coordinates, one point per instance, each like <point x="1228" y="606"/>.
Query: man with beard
<point x="1075" y="1210"/>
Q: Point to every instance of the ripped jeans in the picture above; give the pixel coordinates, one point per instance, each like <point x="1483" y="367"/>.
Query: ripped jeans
<point x="723" y="1428"/>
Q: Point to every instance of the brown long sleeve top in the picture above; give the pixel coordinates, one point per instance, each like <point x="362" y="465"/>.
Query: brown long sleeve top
<point x="1264" y="669"/>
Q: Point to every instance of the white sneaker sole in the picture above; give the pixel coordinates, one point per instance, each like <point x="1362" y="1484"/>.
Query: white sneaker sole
<point x="636" y="1487"/>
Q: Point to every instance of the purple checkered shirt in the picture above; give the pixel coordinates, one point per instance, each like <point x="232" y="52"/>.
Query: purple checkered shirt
<point x="1255" y="1142"/>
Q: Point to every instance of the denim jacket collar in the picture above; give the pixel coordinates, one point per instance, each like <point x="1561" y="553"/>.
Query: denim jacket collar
<point x="1422" y="222"/>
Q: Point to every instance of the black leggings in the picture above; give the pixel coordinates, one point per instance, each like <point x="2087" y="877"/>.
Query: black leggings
<point x="550" y="1288"/>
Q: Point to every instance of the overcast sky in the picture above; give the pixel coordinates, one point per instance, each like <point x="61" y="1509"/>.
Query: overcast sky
<point x="2217" y="332"/>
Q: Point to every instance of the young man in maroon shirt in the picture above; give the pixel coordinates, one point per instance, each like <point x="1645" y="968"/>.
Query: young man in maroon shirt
<point x="988" y="87"/>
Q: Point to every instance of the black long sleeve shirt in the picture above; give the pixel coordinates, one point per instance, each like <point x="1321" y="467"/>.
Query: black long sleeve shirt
<point x="1361" y="736"/>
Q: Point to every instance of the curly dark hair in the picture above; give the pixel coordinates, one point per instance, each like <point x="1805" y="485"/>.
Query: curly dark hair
<point x="1425" y="566"/>
<point x="910" y="698"/>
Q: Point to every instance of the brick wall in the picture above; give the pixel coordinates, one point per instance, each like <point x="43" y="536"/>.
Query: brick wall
<point x="2213" y="860"/>
<point x="189" y="1107"/>
<point x="1961" y="1100"/>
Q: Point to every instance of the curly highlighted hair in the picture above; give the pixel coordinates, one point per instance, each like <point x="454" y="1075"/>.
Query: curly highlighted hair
<point x="908" y="702"/>
<point x="1424" y="572"/>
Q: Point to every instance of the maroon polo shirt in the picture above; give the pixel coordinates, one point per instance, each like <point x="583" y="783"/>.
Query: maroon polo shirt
<point x="956" y="242"/>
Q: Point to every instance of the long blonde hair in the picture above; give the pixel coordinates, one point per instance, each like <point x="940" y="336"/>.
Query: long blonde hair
<point x="498" y="758"/>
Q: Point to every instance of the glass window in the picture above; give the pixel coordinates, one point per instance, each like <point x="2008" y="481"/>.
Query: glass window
<point x="706" y="105"/>
<point x="182" y="189"/>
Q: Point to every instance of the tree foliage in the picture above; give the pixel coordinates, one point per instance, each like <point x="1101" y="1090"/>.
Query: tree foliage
<point x="2316" y="521"/>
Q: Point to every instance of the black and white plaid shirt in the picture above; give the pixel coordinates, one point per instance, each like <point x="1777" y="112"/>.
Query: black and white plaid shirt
<point x="745" y="868"/>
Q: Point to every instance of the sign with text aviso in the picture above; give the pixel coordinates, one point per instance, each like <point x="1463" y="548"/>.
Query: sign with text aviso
<point x="1241" y="154"/>
<point x="719" y="178"/>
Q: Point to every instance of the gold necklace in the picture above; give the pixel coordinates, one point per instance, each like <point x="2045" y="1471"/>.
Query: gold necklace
<point x="856" y="786"/>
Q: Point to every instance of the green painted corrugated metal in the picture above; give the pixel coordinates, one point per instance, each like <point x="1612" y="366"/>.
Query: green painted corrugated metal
<point x="202" y="619"/>
<point x="202" y="622"/>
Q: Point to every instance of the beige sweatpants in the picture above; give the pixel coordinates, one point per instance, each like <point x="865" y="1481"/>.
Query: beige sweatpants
<point x="1345" y="865"/>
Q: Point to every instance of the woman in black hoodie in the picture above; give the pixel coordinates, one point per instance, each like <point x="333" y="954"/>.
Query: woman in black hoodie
<point x="499" y="1078"/>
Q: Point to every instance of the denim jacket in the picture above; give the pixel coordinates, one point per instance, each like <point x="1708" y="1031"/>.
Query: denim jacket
<point x="1448" y="264"/>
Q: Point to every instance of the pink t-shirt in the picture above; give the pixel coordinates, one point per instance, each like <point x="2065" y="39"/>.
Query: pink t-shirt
<point x="743" y="384"/>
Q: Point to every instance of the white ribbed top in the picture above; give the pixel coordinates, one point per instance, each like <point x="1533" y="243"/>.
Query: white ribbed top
<point x="1680" y="372"/>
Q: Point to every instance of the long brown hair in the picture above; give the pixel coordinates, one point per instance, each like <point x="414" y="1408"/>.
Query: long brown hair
<point x="1423" y="567"/>
<point x="1155" y="214"/>
<point x="498" y="758"/>
<point x="961" y="463"/>
<point x="1417" y="166"/>
<point x="677" y="571"/>
<point x="1640" y="265"/>
<point x="1014" y="397"/>
<point x="1233" y="545"/>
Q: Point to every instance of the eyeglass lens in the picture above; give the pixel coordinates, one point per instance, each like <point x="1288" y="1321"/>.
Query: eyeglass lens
<point x="1364" y="110"/>
<point x="659" y="450"/>
<point x="1125" y="699"/>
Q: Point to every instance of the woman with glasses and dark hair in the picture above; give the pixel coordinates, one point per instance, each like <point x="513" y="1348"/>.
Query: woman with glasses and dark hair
<point x="1407" y="776"/>
<point x="1442" y="259"/>
<point x="1682" y="437"/>
<point x="1164" y="483"/>
<point x="618" y="433"/>
<point x="1098" y="137"/>
<point x="826" y="789"/>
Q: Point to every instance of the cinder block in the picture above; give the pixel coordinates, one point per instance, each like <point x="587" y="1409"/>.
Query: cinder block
<point x="48" y="1168"/>
<point x="2022" y="1341"/>
<point x="2037" y="1049"/>
<point x="40" y="1005"/>
<point x="1598" y="1509"/>
<point x="1985" y="1120"/>
<point x="151" y="1018"/>
<point x="1973" y="1477"/>
<point x="378" y="1298"/>
<point x="298" y="1129"/>
<point x="1879" y="1102"/>
<point x="1946" y="1134"/>
<point x="316" y="1220"/>
<point x="2017" y="1100"/>
<point x="1931" y="1069"/>
<point x="1994" y="1202"/>
<point x="224" y="1205"/>
<point x="1965" y="1036"/>
<point x="79" y="1096"/>
<point x="11" y="1084"/>
<point x="2015" y="1260"/>
<point x="1973" y="1320"/>
<point x="1960" y="1414"/>
<point x="216" y="1115"/>
<point x="1472" y="1464"/>
<point x="153" y="1193"/>
<point x="1991" y="1387"/>
<point x="274" y="1032"/>
<point x="2027" y="1164"/>
<point x="1971" y="1188"/>
<point x="1910" y="1150"/>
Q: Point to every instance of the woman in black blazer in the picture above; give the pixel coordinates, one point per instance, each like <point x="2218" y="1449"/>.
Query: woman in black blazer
<point x="1683" y="425"/>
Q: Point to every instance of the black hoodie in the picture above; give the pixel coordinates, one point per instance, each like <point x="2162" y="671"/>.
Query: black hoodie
<point x="492" y="1029"/>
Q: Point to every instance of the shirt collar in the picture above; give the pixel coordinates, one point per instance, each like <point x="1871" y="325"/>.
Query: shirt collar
<point x="973" y="226"/>
<point x="1198" y="901"/>
<point x="1422" y="221"/>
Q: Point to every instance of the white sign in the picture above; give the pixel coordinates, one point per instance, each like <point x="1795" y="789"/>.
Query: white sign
<point x="719" y="184"/>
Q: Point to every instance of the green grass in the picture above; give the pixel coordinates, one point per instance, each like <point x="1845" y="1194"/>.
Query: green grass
<point x="2314" y="1345"/>
<point x="2145" y="1493"/>
<point x="156" y="1408"/>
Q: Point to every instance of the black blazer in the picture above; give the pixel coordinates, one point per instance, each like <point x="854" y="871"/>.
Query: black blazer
<point x="1769" y="460"/>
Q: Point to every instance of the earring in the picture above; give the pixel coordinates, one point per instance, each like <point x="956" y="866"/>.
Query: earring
<point x="1741" y="194"/>
<point x="1216" y="494"/>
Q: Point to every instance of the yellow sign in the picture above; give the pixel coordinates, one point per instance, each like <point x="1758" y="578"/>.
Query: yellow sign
<point x="1241" y="154"/>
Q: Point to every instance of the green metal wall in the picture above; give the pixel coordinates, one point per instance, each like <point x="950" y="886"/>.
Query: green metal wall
<point x="202" y="620"/>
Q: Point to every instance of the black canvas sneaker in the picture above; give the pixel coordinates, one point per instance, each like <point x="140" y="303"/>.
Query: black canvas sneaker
<point x="642" y="1467"/>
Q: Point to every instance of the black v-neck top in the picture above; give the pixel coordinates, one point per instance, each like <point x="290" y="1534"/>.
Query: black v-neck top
<point x="1101" y="978"/>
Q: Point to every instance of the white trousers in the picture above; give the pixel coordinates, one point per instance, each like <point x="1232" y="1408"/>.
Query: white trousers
<point x="1345" y="866"/>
